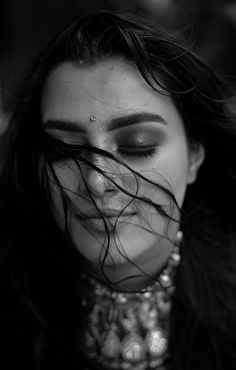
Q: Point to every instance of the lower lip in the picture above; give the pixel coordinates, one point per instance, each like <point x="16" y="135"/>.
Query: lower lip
<point x="112" y="223"/>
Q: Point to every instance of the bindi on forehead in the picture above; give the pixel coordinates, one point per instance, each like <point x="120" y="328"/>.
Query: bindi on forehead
<point x="92" y="118"/>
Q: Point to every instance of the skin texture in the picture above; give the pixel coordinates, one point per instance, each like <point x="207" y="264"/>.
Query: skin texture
<point x="154" y="146"/>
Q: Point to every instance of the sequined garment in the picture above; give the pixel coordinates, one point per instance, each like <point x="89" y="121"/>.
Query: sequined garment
<point x="128" y="330"/>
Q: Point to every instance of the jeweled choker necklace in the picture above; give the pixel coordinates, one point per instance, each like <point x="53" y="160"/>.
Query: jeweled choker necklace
<point x="129" y="330"/>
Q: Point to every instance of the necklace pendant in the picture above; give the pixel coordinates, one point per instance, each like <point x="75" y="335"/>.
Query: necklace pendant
<point x="133" y="348"/>
<point x="156" y="342"/>
<point x="148" y="315"/>
<point x="111" y="345"/>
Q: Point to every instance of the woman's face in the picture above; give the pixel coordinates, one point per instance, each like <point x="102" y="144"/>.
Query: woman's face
<point x="111" y="107"/>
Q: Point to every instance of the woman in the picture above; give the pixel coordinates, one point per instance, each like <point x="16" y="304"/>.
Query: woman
<point x="121" y="164"/>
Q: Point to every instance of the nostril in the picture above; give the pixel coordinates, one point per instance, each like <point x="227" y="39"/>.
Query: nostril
<point x="100" y="184"/>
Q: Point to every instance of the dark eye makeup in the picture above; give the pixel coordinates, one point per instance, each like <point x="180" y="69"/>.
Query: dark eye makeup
<point x="140" y="143"/>
<point x="129" y="143"/>
<point x="132" y="151"/>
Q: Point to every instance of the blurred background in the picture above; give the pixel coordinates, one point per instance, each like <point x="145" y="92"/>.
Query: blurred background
<point x="26" y="26"/>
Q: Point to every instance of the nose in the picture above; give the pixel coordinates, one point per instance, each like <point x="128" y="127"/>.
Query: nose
<point x="102" y="183"/>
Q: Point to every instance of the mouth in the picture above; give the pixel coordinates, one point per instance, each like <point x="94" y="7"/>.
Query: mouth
<point x="112" y="218"/>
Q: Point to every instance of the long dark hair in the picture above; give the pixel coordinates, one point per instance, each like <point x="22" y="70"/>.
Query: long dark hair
<point x="204" y="300"/>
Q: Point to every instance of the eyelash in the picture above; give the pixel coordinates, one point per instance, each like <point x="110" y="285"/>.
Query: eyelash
<point x="138" y="152"/>
<point x="123" y="150"/>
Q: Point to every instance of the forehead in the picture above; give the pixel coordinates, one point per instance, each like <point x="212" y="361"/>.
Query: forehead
<point x="106" y="90"/>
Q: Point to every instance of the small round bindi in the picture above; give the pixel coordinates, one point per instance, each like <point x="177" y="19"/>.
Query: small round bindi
<point x="92" y="118"/>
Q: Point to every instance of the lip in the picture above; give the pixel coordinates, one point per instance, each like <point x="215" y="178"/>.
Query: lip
<point x="114" y="218"/>
<point x="106" y="213"/>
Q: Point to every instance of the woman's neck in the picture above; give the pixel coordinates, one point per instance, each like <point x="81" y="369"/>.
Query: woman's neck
<point x="137" y="274"/>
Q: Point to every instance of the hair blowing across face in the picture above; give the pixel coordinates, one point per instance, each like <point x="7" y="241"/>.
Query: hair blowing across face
<point x="203" y="322"/>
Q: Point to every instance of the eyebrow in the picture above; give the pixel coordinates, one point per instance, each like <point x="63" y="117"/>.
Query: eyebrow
<point x="116" y="123"/>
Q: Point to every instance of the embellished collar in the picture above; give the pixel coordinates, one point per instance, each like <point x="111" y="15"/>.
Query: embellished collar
<point x="129" y="330"/>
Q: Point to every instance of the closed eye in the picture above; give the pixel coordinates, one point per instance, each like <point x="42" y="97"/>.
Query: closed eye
<point x="137" y="151"/>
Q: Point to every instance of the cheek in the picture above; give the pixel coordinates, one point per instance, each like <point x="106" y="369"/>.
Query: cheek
<point x="66" y="181"/>
<point x="171" y="171"/>
<point x="179" y="182"/>
<point x="67" y="175"/>
<point x="176" y="174"/>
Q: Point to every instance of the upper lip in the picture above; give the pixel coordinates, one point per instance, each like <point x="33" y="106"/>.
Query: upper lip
<point x="106" y="212"/>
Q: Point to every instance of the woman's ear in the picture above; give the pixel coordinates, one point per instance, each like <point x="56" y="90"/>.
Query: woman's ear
<point x="196" y="158"/>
